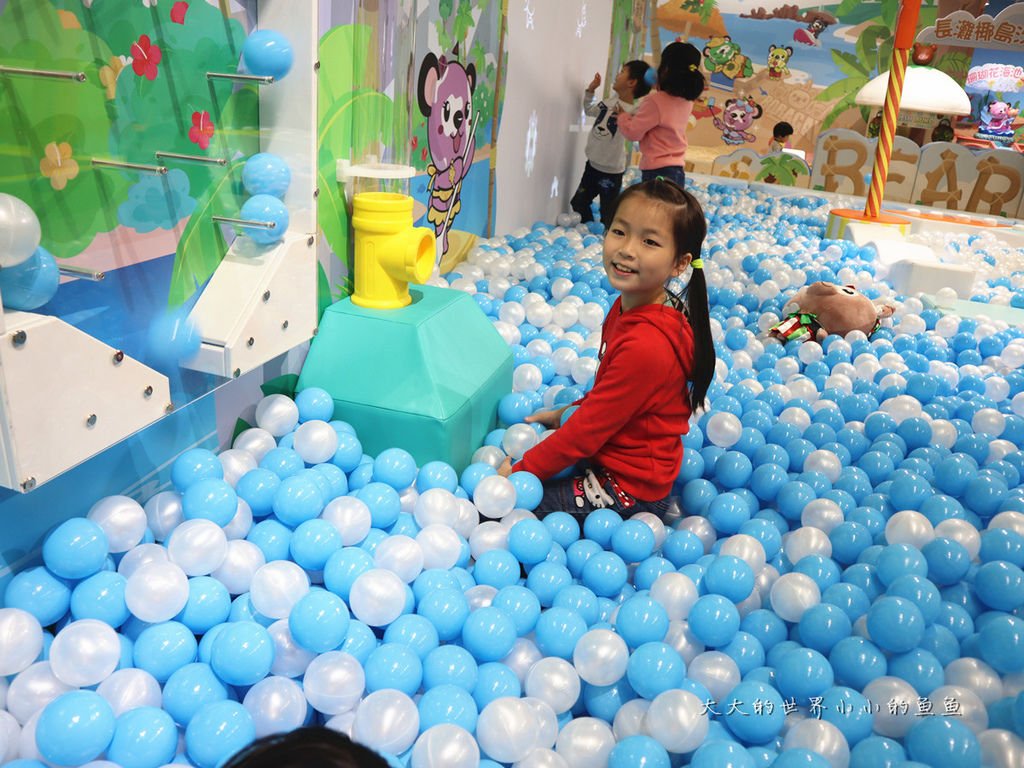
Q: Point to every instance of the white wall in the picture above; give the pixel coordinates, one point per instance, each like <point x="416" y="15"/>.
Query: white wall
<point x="554" y="49"/>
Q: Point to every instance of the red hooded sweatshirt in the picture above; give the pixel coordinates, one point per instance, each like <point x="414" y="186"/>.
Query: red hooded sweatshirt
<point x="630" y="422"/>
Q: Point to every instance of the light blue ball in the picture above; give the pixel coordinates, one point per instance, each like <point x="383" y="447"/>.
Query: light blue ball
<point x="210" y="499"/>
<point x="489" y="634"/>
<point x="604" y="573"/>
<point x="529" y="541"/>
<point x="39" y="592"/>
<point x="101" y="596"/>
<point x="642" y="619"/>
<point x="319" y="621"/>
<point x="633" y="541"/>
<point x="638" y="750"/>
<point x="395" y="467"/>
<point x="32" y="283"/>
<point x="876" y="752"/>
<point x="217" y="731"/>
<point x="437" y="474"/>
<point x="267" y="53"/>
<point x="172" y="338"/>
<point x="267" y="174"/>
<point x="359" y="641"/>
<point x="189" y="688"/>
<point x="764" y="712"/>
<point x="297" y="499"/>
<point x="714" y="620"/>
<point x="529" y="490"/>
<point x="391" y="665"/>
<point x="447" y="610"/>
<point x="849" y="711"/>
<point x="75" y="728"/>
<point x="497" y="568"/>
<point x="145" y="737"/>
<point x="413" y="631"/>
<point x="313" y="542"/>
<point x="447" y="704"/>
<point x="268" y="209"/>
<point x="557" y="632"/>
<point x="943" y="741"/>
<point x="75" y="549"/>
<point x="164" y="648"/>
<point x="653" y="668"/>
<point x="450" y="665"/>
<point x="720" y="753"/>
<point x="895" y="624"/>
<point x="803" y="673"/>
<point x="521" y="605"/>
<point x="494" y="681"/>
<point x="242" y="653"/>
<point x="384" y="503"/>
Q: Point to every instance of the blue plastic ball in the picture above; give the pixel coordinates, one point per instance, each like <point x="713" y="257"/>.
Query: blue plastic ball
<point x="319" y="621"/>
<point x="895" y="624"/>
<point x="45" y="596"/>
<point x="447" y="704"/>
<point x="529" y="541"/>
<point x="391" y="665"/>
<point x="75" y="728"/>
<point x="653" y="668"/>
<point x="450" y="665"/>
<point x="488" y="633"/>
<point x="144" y="737"/>
<point x="242" y="653"/>
<point x="943" y="741"/>
<point x="268" y="54"/>
<point x="267" y="174"/>
<point x="32" y="283"/>
<point x="217" y="731"/>
<point x="189" y="688"/>
<point x="265" y="209"/>
<point x="75" y="549"/>
<point x="638" y="750"/>
<point x="714" y="620"/>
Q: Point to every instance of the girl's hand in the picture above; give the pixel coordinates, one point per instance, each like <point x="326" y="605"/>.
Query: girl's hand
<point x="595" y="83"/>
<point x="550" y="419"/>
<point x="506" y="467"/>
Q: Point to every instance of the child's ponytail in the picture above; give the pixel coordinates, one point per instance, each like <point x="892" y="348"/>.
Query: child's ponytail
<point x="679" y="72"/>
<point x="697" y="312"/>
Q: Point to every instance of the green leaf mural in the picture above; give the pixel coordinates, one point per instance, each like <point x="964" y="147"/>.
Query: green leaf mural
<point x="781" y="169"/>
<point x="49" y="129"/>
<point x="346" y="111"/>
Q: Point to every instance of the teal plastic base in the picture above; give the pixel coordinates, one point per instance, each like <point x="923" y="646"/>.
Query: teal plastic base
<point x="426" y="378"/>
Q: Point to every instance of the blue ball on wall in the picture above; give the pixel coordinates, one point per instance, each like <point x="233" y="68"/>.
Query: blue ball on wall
<point x="268" y="54"/>
<point x="30" y="284"/>
<point x="266" y="174"/>
<point x="265" y="208"/>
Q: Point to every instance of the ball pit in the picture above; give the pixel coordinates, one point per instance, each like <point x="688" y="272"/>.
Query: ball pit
<point x="843" y="589"/>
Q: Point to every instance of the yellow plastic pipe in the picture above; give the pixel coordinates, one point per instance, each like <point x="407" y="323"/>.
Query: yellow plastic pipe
<point x="389" y="253"/>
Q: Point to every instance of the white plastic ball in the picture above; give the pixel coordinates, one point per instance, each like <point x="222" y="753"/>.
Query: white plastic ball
<point x="316" y="442"/>
<point x="909" y="527"/>
<point x="334" y="682"/>
<point x="276" y="587"/>
<point x="122" y="519"/>
<point x="724" y="429"/>
<point x="441" y="546"/>
<point x="84" y="653"/>
<point x="277" y="705"/>
<point x="241" y="561"/>
<point x="445" y="746"/>
<point x="236" y="462"/>
<point x="555" y="682"/>
<point x="676" y="593"/>
<point x="387" y="721"/>
<point x="894" y="702"/>
<point x="21" y="640"/>
<point x="238" y="527"/>
<point x="198" y="547"/>
<point x="129" y="688"/>
<point x="506" y="729"/>
<point x="156" y="592"/>
<point x="290" y="658"/>
<point x="401" y="555"/>
<point x="256" y="441"/>
<point x="629" y="720"/>
<point x="585" y="742"/>
<point x="792" y="594"/>
<point x="806" y="541"/>
<point x="600" y="657"/>
<point x="277" y="414"/>
<point x="494" y="496"/>
<point x="821" y="737"/>
<point x="377" y="597"/>
<point x="746" y="548"/>
<point x="518" y="439"/>
<point x="350" y="517"/>
<point x="715" y="671"/>
<point x="32" y="689"/>
<point x="677" y="721"/>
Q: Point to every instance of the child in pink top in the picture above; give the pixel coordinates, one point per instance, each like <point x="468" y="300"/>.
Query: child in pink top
<point x="660" y="122"/>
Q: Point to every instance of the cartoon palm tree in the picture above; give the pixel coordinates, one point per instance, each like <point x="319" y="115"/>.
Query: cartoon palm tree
<point x="782" y="168"/>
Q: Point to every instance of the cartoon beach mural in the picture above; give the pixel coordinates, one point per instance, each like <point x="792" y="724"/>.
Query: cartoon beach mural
<point x="802" y="62"/>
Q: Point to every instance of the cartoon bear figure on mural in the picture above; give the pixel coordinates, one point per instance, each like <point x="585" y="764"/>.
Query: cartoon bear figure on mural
<point x="778" y="61"/>
<point x="810" y="35"/>
<point x="445" y="96"/>
<point x="737" y="116"/>
<point x="722" y="55"/>
<point x="997" y="119"/>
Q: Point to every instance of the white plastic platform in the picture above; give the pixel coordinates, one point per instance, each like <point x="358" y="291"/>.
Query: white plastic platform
<point x="65" y="397"/>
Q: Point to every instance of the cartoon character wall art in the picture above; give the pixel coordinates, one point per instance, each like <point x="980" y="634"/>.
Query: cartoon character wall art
<point x="445" y="95"/>
<point x="810" y="35"/>
<point x="723" y="56"/>
<point x="778" y="61"/>
<point x="738" y="115"/>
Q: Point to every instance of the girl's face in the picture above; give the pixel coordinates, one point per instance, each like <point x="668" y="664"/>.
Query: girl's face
<point x="640" y="251"/>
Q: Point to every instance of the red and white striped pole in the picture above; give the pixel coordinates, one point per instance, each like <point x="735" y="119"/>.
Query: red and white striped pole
<point x="906" y="29"/>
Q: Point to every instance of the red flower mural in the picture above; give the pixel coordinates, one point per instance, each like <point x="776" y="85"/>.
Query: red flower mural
<point x="145" y="58"/>
<point x="202" y="129"/>
<point x="178" y="11"/>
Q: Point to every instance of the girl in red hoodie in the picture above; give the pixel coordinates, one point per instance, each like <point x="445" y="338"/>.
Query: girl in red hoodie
<point x="657" y="360"/>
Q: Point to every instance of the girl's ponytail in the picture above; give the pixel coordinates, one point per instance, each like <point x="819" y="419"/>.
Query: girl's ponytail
<point x="679" y="72"/>
<point x="699" y="315"/>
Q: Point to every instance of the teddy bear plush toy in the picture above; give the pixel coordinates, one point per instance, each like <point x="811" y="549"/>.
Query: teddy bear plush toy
<point x="820" y="309"/>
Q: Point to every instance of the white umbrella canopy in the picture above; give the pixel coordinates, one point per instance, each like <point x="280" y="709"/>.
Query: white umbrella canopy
<point x="925" y="89"/>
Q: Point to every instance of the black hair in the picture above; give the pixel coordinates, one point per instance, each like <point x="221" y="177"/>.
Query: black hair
<point x="782" y="130"/>
<point x="312" y="747"/>
<point x="638" y="71"/>
<point x="679" y="71"/>
<point x="689" y="228"/>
